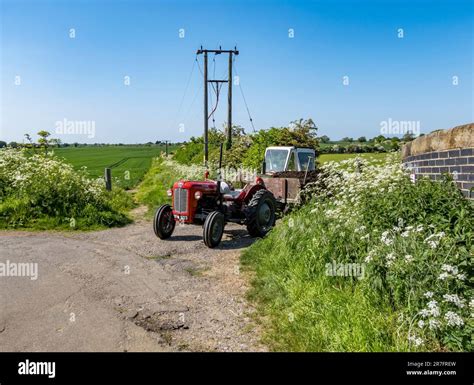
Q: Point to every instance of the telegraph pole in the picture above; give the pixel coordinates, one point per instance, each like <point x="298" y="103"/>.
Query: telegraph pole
<point x="229" y="99"/>
<point x="228" y="143"/>
<point x="206" y="118"/>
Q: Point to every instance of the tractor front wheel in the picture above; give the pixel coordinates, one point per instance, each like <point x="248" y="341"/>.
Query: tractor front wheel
<point x="163" y="223"/>
<point x="213" y="229"/>
<point x="260" y="213"/>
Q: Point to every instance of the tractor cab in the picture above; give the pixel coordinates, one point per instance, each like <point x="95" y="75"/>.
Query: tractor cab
<point x="288" y="158"/>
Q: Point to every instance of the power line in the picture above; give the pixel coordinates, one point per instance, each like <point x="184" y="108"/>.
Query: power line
<point x="186" y="88"/>
<point x="245" y="101"/>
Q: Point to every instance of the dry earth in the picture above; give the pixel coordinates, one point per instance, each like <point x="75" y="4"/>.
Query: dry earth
<point x="124" y="289"/>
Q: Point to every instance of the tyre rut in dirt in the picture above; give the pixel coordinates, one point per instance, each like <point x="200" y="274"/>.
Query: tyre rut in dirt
<point x="260" y="213"/>
<point x="164" y="223"/>
<point x="213" y="229"/>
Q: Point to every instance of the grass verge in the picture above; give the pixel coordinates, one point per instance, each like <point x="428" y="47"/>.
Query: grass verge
<point x="414" y="242"/>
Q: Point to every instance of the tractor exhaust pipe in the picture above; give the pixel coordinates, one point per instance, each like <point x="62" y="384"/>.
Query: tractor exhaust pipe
<point x="219" y="178"/>
<point x="220" y="161"/>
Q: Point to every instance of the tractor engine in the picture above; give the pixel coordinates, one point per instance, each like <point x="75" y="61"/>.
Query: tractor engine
<point x="193" y="201"/>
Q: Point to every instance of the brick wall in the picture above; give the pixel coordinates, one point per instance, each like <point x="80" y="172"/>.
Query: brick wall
<point x="444" y="152"/>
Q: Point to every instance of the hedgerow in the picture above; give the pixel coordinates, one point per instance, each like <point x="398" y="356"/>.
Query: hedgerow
<point x="39" y="190"/>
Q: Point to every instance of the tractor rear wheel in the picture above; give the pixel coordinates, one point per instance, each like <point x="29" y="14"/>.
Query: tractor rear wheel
<point x="213" y="229"/>
<point x="260" y="213"/>
<point x="163" y="223"/>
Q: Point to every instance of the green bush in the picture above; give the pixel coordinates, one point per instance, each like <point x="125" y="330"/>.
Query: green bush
<point x="248" y="150"/>
<point x="42" y="191"/>
<point x="415" y="242"/>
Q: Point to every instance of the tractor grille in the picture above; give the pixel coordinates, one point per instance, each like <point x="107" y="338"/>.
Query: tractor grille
<point x="181" y="200"/>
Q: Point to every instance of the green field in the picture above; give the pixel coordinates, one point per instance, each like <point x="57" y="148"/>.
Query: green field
<point x="323" y="158"/>
<point x="128" y="163"/>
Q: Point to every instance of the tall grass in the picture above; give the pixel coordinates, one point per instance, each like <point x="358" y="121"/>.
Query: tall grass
<point x="164" y="171"/>
<point x="415" y="242"/>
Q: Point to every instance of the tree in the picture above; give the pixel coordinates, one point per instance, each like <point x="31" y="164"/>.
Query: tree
<point x="379" y="139"/>
<point x="29" y="141"/>
<point x="43" y="140"/>
<point x="3" y="144"/>
<point x="362" y="139"/>
<point x="324" y="139"/>
<point x="55" y="141"/>
<point x="13" y="144"/>
<point x="408" y="137"/>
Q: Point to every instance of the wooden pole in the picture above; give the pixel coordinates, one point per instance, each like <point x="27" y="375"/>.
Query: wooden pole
<point x="108" y="179"/>
<point x="206" y="121"/>
<point x="229" y="107"/>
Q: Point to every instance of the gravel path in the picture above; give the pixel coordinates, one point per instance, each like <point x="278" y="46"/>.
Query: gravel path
<point x="124" y="289"/>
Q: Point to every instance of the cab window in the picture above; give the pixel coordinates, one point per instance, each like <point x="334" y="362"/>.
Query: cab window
<point x="275" y="159"/>
<point x="292" y="162"/>
<point x="304" y="158"/>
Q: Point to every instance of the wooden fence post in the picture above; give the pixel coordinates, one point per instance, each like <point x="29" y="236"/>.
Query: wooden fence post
<point x="108" y="179"/>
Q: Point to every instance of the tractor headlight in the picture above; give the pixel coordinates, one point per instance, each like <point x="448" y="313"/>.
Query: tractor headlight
<point x="169" y="192"/>
<point x="198" y="195"/>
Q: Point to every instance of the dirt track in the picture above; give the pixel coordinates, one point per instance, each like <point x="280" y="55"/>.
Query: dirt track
<point x="126" y="290"/>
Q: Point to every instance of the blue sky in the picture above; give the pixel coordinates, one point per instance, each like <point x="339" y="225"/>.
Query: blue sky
<point x="81" y="79"/>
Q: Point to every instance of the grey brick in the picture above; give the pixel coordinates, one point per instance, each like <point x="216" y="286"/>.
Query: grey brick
<point x="454" y="153"/>
<point x="440" y="162"/>
<point x="455" y="168"/>
<point x="461" y="160"/>
<point x="467" y="177"/>
<point x="470" y="160"/>
<point x="450" y="161"/>
<point x="467" y="151"/>
<point x="443" y="154"/>
<point x="468" y="186"/>
<point x="467" y="169"/>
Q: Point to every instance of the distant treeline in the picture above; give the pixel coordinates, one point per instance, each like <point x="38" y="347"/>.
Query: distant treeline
<point x="348" y="145"/>
<point x="75" y="144"/>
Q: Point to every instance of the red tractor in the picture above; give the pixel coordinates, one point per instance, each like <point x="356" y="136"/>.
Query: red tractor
<point x="214" y="203"/>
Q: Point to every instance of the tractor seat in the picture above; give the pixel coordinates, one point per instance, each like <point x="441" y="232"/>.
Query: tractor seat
<point x="232" y="195"/>
<point x="227" y="193"/>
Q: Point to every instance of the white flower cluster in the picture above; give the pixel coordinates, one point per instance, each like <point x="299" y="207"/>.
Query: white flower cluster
<point x="454" y="298"/>
<point x="39" y="176"/>
<point x="432" y="309"/>
<point x="451" y="272"/>
<point x="453" y="319"/>
<point x="192" y="172"/>
<point x="349" y="179"/>
<point x="417" y="341"/>
<point x="434" y="239"/>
